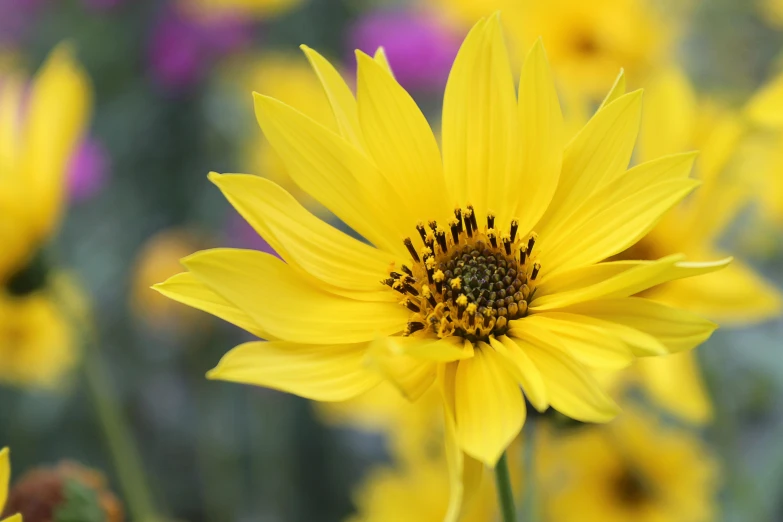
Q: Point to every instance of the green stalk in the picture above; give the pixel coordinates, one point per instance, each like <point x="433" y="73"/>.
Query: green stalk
<point x="505" y="492"/>
<point x="127" y="462"/>
<point x="529" y="501"/>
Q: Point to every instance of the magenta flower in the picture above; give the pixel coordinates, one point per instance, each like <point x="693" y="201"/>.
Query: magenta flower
<point x="88" y="170"/>
<point x="419" y="46"/>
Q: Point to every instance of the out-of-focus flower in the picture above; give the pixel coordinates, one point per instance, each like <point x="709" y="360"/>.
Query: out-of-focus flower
<point x="254" y="8"/>
<point x="632" y="469"/>
<point x="103" y="5"/>
<point x="771" y="11"/>
<point x="675" y="120"/>
<point x="183" y="47"/>
<point x="88" y="170"/>
<point x="509" y="290"/>
<point x="158" y="259"/>
<point x="5" y="479"/>
<point x="587" y="42"/>
<point x="67" y="492"/>
<point x="39" y="131"/>
<point x="419" y="45"/>
<point x="16" y="19"/>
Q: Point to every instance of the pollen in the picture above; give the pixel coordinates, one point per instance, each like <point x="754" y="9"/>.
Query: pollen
<point x="467" y="280"/>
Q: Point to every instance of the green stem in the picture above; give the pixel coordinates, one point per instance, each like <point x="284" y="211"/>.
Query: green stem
<point x="505" y="492"/>
<point x="529" y="502"/>
<point x="127" y="462"/>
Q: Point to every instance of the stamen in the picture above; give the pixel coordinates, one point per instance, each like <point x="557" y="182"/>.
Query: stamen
<point x="522" y="256"/>
<point x="409" y="289"/>
<point x="411" y="250"/>
<point x="455" y="283"/>
<point x="410" y="305"/>
<point x="455" y="230"/>
<point x="399" y="287"/>
<point x="458" y="215"/>
<point x="421" y="230"/>
<point x="440" y="236"/>
<point x="427" y="294"/>
<point x="507" y="245"/>
<point x="514" y="227"/>
<point x="493" y="238"/>
<point x="413" y="327"/>
<point x="395" y="275"/>
<point x="536" y="269"/>
<point x="473" y="221"/>
<point x="531" y="242"/>
<point x="468" y="222"/>
<point x="407" y="271"/>
<point x="439" y="276"/>
<point x="433" y="225"/>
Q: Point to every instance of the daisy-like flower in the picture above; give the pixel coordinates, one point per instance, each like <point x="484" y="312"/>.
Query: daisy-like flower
<point x="632" y="469"/>
<point x="5" y="480"/>
<point x="40" y="127"/>
<point x="483" y="268"/>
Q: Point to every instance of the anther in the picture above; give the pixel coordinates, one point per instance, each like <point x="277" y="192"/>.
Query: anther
<point x="456" y="283"/>
<point x="471" y="310"/>
<point x="514" y="227"/>
<point x="440" y="235"/>
<point x="399" y="286"/>
<point x="522" y="256"/>
<point x="438" y="277"/>
<point x="458" y="215"/>
<point x="490" y="220"/>
<point x="388" y="281"/>
<point x="433" y="225"/>
<point x="429" y="240"/>
<point x="531" y="242"/>
<point x="468" y="222"/>
<point x="413" y="327"/>
<point x="493" y="238"/>
<point x="507" y="245"/>
<point x="409" y="289"/>
<point x="455" y="229"/>
<point x="407" y="270"/>
<point x="427" y="294"/>
<point x="422" y="231"/>
<point x="473" y="221"/>
<point x="410" y="305"/>
<point x="411" y="250"/>
<point x="395" y="275"/>
<point x="462" y="303"/>
<point x="536" y="269"/>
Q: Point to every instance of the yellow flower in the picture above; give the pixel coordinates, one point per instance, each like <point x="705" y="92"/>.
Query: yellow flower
<point x="509" y="289"/>
<point x="37" y="137"/>
<point x="632" y="469"/>
<point x="5" y="480"/>
<point x="674" y="120"/>
<point x="587" y="42"/>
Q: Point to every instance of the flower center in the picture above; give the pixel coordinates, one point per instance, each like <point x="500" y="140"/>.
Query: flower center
<point x="469" y="282"/>
<point x="631" y="488"/>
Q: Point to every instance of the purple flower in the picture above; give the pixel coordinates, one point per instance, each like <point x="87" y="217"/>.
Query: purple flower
<point x="88" y="170"/>
<point x="182" y="48"/>
<point x="102" y="5"/>
<point x="16" y="20"/>
<point x="419" y="46"/>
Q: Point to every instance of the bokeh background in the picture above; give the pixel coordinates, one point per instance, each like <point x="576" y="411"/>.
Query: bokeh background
<point x="172" y="101"/>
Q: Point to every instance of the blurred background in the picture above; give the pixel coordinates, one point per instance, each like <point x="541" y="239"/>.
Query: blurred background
<point x="171" y="100"/>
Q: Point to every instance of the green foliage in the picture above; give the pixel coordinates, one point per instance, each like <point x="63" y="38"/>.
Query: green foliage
<point x="82" y="504"/>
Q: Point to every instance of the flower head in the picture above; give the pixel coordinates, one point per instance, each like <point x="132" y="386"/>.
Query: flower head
<point x="483" y="268"/>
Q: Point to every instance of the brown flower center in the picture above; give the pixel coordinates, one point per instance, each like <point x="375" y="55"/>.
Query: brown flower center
<point x="468" y="282"/>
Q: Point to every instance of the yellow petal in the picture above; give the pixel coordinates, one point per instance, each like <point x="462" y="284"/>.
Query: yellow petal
<point x="541" y="138"/>
<point x="340" y="97"/>
<point x="411" y="375"/>
<point x="597" y="155"/>
<point x="617" y="90"/>
<point x="669" y="115"/>
<point x="449" y="349"/>
<point x="628" y="282"/>
<point x="11" y="96"/>
<point x="57" y="114"/>
<point x="523" y="370"/>
<point x="383" y="60"/>
<point x="676" y="329"/>
<point x="14" y="518"/>
<point x="287" y="306"/>
<point x="571" y="389"/>
<point x="489" y="406"/>
<point x="733" y="296"/>
<point x="617" y="227"/>
<point x="185" y="288"/>
<point x="480" y="124"/>
<point x="401" y="142"/>
<point x="318" y="249"/>
<point x="675" y="383"/>
<point x="335" y="173"/>
<point x="5" y="476"/>
<point x="590" y="344"/>
<point x="314" y="371"/>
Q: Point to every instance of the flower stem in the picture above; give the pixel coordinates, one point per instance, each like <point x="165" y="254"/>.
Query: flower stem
<point x="127" y="462"/>
<point x="505" y="492"/>
<point x="529" y="500"/>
